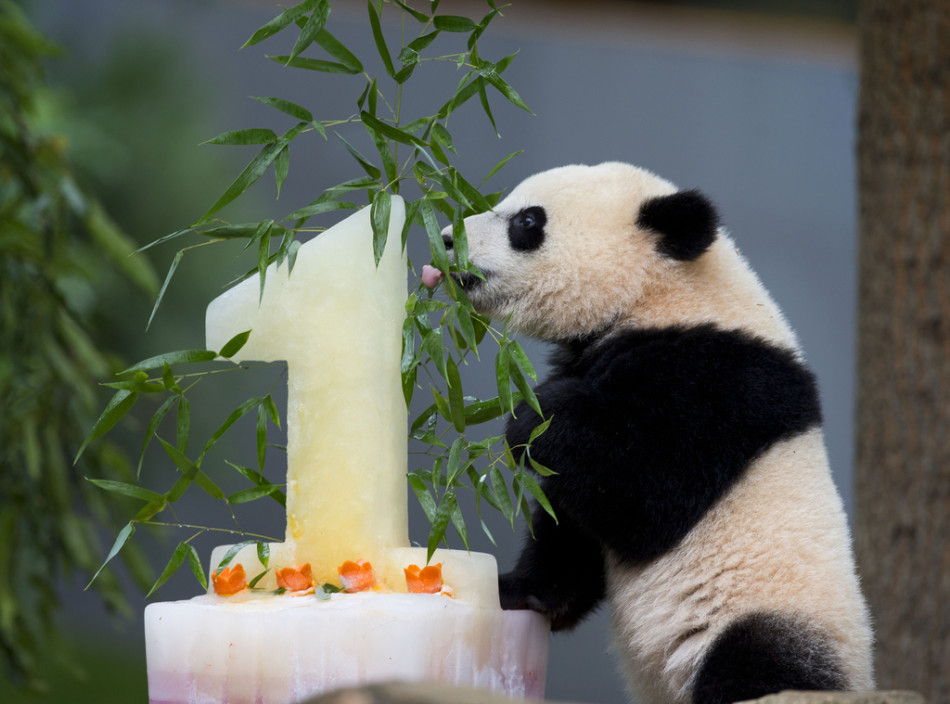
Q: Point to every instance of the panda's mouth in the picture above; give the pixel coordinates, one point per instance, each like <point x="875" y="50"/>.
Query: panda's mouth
<point x="468" y="282"/>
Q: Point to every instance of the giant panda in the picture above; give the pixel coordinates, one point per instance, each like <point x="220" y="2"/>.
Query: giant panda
<point x="692" y="487"/>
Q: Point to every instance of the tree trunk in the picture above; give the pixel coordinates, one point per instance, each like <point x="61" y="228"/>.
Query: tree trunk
<point x="903" y="450"/>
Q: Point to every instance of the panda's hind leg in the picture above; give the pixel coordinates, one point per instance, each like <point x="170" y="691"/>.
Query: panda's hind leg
<point x="765" y="653"/>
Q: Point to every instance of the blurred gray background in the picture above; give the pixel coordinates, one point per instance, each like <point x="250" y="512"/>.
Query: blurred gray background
<point x="749" y="102"/>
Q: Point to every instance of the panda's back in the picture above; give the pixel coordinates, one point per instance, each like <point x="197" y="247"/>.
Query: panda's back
<point x="773" y="553"/>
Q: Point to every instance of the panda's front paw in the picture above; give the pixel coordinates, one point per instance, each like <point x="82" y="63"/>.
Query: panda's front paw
<point x="517" y="593"/>
<point x="513" y="592"/>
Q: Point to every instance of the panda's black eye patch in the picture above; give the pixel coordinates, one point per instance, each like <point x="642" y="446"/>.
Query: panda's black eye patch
<point x="526" y="229"/>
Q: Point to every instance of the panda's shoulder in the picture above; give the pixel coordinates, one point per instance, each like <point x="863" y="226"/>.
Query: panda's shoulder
<point x="699" y="362"/>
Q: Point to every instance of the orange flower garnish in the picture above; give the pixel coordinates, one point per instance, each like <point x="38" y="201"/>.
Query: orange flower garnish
<point x="357" y="576"/>
<point x="427" y="580"/>
<point x="295" y="579"/>
<point x="229" y="581"/>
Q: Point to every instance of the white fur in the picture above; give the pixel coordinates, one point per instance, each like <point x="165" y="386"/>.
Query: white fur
<point x="778" y="541"/>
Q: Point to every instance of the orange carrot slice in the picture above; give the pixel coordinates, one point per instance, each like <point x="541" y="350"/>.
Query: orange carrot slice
<point x="427" y="580"/>
<point x="229" y="581"/>
<point x="357" y="576"/>
<point x="296" y="578"/>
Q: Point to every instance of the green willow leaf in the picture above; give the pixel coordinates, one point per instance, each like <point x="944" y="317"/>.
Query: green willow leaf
<point x="121" y="539"/>
<point x="314" y="25"/>
<point x="282" y="20"/>
<point x="177" y="357"/>
<point x="254" y="135"/>
<point x="118" y="406"/>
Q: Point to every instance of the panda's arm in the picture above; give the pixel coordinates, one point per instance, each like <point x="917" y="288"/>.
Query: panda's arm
<point x="656" y="426"/>
<point x="560" y="572"/>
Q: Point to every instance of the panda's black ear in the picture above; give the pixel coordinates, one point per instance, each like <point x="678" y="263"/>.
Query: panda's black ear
<point x="685" y="221"/>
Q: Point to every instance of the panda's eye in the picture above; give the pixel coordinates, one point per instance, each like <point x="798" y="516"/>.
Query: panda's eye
<point x="526" y="229"/>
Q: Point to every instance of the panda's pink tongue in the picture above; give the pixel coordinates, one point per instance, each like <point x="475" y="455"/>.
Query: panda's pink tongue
<point x="430" y="276"/>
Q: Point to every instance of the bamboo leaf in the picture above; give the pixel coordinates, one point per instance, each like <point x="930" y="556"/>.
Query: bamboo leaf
<point x="334" y="48"/>
<point x="231" y="554"/>
<point x="261" y="437"/>
<point x="161" y="292"/>
<point x="285" y="106"/>
<point x="118" y="406"/>
<point x="252" y="172"/>
<point x="234" y="345"/>
<point x="153" y="424"/>
<point x="184" y="424"/>
<point x="254" y="135"/>
<point x="229" y="421"/>
<point x="440" y="522"/>
<point x="176" y="560"/>
<point x="380" y="39"/>
<point x="170" y="358"/>
<point x="196" y="568"/>
<point x="456" y="401"/>
<point x="133" y="490"/>
<point x="253" y="493"/>
<point x="421" y="490"/>
<point x="528" y="482"/>
<point x="315" y="23"/>
<point x="312" y="65"/>
<point x="121" y="539"/>
<point x="282" y="167"/>
<point x="367" y="165"/>
<point x="379" y="217"/>
<point x="282" y="20"/>
<point x="453" y="23"/>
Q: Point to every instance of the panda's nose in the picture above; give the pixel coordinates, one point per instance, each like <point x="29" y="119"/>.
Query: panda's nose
<point x="447" y="239"/>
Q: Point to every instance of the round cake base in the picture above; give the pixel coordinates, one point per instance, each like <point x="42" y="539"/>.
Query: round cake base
<point x="279" y="650"/>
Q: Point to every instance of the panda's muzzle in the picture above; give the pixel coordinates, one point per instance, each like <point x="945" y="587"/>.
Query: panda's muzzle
<point x="465" y="280"/>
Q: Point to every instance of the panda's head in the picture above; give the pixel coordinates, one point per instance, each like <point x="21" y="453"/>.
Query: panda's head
<point x="573" y="251"/>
